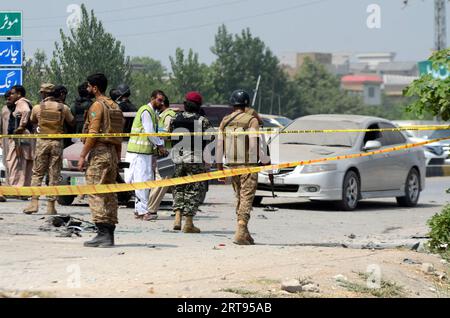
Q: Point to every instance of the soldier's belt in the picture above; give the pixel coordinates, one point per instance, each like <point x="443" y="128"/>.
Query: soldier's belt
<point x="111" y="188"/>
<point x="212" y="133"/>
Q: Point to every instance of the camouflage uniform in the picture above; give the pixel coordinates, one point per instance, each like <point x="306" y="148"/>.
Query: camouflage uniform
<point x="102" y="164"/>
<point x="102" y="169"/>
<point x="244" y="187"/>
<point x="48" y="153"/>
<point x="48" y="159"/>
<point x="188" y="162"/>
<point x="186" y="196"/>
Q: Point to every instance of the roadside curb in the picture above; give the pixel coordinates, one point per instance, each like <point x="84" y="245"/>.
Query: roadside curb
<point x="438" y="171"/>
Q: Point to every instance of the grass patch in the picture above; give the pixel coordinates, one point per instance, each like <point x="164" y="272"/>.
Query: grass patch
<point x="238" y="291"/>
<point x="387" y="289"/>
<point x="267" y="281"/>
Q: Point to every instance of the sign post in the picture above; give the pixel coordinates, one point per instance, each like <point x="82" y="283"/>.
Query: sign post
<point x="10" y="24"/>
<point x="11" y="51"/>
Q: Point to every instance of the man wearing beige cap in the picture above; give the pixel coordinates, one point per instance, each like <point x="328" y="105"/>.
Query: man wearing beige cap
<point x="49" y="116"/>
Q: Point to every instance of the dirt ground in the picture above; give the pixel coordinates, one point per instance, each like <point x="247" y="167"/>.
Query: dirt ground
<point x="151" y="260"/>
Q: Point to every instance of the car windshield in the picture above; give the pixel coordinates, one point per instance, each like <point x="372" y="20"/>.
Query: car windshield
<point x="283" y="121"/>
<point x="343" y="139"/>
<point x="440" y="134"/>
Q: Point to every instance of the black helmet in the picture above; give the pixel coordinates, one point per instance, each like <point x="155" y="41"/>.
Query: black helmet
<point x="239" y="98"/>
<point x="124" y="90"/>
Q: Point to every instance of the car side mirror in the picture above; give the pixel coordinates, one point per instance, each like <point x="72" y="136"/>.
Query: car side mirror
<point x="372" y="145"/>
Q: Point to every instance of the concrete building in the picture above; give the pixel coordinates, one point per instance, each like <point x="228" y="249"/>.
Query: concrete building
<point x="367" y="86"/>
<point x="292" y="62"/>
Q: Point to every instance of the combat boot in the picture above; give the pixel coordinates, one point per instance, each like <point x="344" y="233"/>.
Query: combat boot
<point x="51" y="210"/>
<point x="177" y="222"/>
<point x="189" y="226"/>
<point x="104" y="238"/>
<point x="33" y="207"/>
<point x="242" y="236"/>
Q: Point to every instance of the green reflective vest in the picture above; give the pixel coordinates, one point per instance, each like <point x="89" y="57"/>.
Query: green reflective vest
<point x="142" y="145"/>
<point x="161" y="127"/>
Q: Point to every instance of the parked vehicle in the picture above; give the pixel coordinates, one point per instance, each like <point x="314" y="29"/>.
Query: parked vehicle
<point x="399" y="174"/>
<point x="435" y="153"/>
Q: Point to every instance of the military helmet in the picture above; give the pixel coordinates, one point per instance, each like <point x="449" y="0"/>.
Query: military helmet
<point x="240" y="98"/>
<point x="124" y="90"/>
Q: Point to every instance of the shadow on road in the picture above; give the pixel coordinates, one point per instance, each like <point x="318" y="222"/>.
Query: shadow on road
<point x="363" y="206"/>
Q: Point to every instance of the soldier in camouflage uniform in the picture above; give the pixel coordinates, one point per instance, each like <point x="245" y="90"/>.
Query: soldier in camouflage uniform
<point x="104" y="116"/>
<point x="50" y="116"/>
<point x="241" y="151"/>
<point x="187" y="154"/>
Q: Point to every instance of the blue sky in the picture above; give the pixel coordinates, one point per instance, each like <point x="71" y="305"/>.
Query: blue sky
<point x="156" y="28"/>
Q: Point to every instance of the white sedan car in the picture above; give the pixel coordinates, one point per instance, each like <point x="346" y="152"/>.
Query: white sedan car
<point x="399" y="174"/>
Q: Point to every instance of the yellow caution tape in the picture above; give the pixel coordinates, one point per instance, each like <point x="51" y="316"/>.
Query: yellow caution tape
<point x="122" y="187"/>
<point x="260" y="132"/>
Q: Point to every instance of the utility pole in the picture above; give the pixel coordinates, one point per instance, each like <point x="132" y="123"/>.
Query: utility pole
<point x="440" y="26"/>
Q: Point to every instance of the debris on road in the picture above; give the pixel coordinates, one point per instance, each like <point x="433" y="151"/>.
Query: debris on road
<point x="67" y="225"/>
<point x="291" y="286"/>
<point x="300" y="285"/>
<point x="428" y="268"/>
<point x="262" y="216"/>
<point x="411" y="261"/>
<point x="270" y="209"/>
<point x="340" y="278"/>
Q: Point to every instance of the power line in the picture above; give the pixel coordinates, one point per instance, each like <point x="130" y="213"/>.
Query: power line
<point x="192" y="27"/>
<point x="159" y="15"/>
<point x="112" y="10"/>
<point x="225" y="21"/>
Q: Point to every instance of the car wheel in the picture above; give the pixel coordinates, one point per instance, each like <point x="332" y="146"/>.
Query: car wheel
<point x="412" y="190"/>
<point x="350" y="192"/>
<point x="66" y="199"/>
<point x="257" y="201"/>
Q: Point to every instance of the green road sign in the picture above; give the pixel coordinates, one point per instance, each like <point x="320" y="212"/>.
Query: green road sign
<point x="425" y="67"/>
<point x="11" y="23"/>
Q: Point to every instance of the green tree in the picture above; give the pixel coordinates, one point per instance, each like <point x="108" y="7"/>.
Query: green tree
<point x="318" y="92"/>
<point x="147" y="75"/>
<point x="35" y="72"/>
<point x="433" y="94"/>
<point x="188" y="74"/>
<point x="88" y="49"/>
<point x="240" y="60"/>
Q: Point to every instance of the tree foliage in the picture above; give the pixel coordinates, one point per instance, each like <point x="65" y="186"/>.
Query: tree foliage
<point x="240" y="60"/>
<point x="88" y="49"/>
<point x="36" y="72"/>
<point x="188" y="74"/>
<point x="318" y="92"/>
<point x="433" y="94"/>
<point x="147" y="75"/>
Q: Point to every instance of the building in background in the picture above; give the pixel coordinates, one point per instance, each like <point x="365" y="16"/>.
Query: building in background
<point x="369" y="75"/>
<point x="366" y="86"/>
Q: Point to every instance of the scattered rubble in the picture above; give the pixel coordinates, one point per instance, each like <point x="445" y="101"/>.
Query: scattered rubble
<point x="428" y="268"/>
<point x="340" y="278"/>
<point x="411" y="261"/>
<point x="300" y="285"/>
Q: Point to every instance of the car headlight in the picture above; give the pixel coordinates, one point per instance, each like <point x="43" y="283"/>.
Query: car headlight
<point x="319" y="168"/>
<point x="65" y="164"/>
<point x="437" y="150"/>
